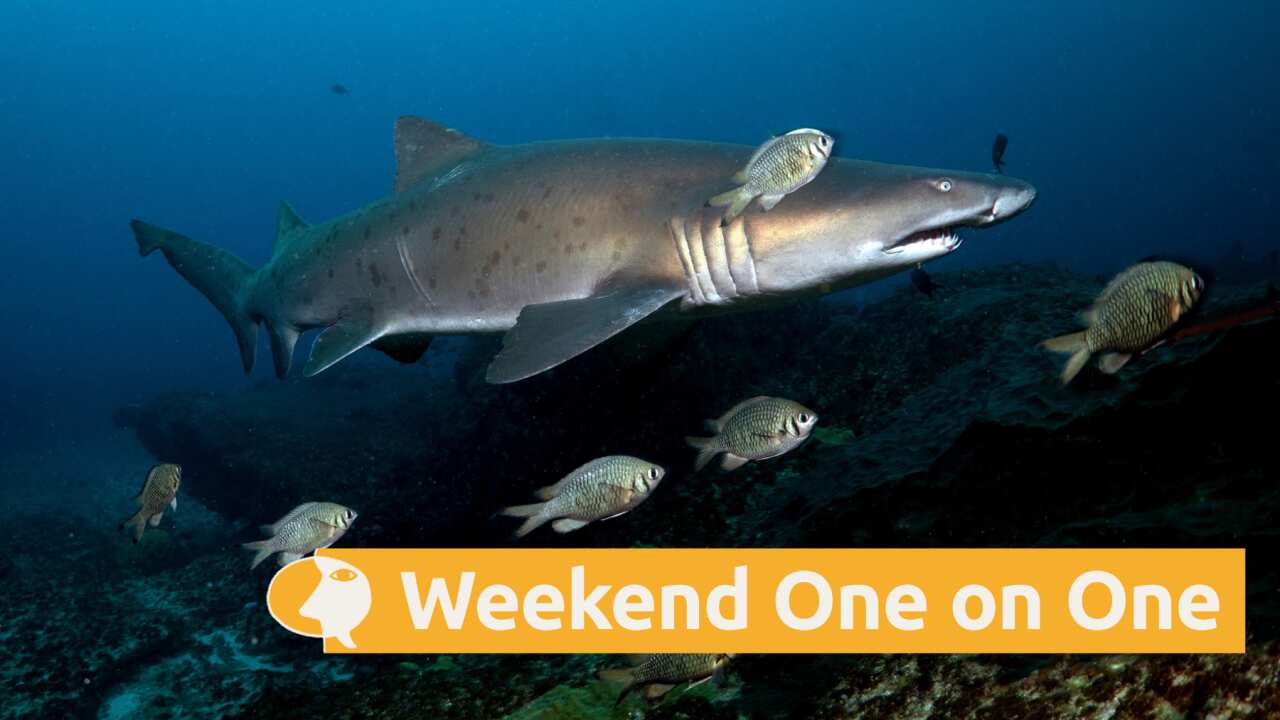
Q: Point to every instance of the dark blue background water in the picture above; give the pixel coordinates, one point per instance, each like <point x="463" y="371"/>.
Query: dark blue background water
<point x="1147" y="127"/>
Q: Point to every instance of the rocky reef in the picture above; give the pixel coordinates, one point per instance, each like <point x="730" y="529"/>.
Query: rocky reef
<point x="942" y="424"/>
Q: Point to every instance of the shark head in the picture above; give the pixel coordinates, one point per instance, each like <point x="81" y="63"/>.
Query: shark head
<point x="861" y="221"/>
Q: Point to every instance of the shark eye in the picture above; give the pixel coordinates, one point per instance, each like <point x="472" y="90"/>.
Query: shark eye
<point x="944" y="185"/>
<point x="343" y="575"/>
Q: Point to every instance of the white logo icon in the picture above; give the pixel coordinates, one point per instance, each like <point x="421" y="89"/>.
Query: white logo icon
<point x="340" y="602"/>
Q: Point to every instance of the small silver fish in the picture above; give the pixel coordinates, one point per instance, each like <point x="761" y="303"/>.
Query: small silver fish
<point x="603" y="488"/>
<point x="659" y="673"/>
<point x="304" y="529"/>
<point x="1131" y="315"/>
<point x="779" y="167"/>
<point x="755" y="429"/>
<point x="159" y="491"/>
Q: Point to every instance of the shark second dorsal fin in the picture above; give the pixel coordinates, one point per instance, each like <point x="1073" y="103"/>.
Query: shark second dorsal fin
<point x="287" y="223"/>
<point x="424" y="149"/>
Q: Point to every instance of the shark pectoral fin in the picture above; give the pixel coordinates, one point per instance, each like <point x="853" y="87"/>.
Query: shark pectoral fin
<point x="338" y="341"/>
<point x="407" y="348"/>
<point x="548" y="334"/>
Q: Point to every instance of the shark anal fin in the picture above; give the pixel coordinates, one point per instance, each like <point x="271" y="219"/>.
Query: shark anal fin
<point x="424" y="149"/>
<point x="338" y="341"/>
<point x="407" y="348"/>
<point x="548" y="334"/>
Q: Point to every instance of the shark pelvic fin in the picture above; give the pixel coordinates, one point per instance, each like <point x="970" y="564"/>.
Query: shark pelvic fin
<point x="548" y="334"/>
<point x="338" y="341"/>
<point x="425" y="149"/>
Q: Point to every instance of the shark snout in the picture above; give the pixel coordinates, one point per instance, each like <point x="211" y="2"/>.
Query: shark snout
<point x="1014" y="197"/>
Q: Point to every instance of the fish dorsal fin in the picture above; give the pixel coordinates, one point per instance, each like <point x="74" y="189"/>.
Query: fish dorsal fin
<point x="289" y="517"/>
<point x="719" y="422"/>
<point x="424" y="149"/>
<point x="287" y="224"/>
<point x="547" y="334"/>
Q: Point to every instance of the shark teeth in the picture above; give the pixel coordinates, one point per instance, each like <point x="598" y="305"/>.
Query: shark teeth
<point x="944" y="239"/>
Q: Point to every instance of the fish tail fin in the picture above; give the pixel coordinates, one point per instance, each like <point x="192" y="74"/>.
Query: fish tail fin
<point x="224" y="279"/>
<point x="707" y="448"/>
<point x="1077" y="346"/>
<point x="263" y="550"/>
<point x="736" y="200"/>
<point x="533" y="514"/>
<point x="139" y="524"/>
<point x="625" y="677"/>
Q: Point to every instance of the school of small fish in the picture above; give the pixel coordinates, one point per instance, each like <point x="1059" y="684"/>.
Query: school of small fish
<point x="1133" y="314"/>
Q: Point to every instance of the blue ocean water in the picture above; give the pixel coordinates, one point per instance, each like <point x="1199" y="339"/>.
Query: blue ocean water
<point x="1147" y="128"/>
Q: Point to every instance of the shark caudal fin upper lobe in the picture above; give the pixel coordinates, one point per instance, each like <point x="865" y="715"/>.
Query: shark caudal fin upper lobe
<point x="220" y="276"/>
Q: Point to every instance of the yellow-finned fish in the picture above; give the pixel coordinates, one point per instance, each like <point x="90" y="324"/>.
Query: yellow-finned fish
<point x="306" y="528"/>
<point x="779" y="167"/>
<point x="1131" y="315"/>
<point x="755" y="429"/>
<point x="658" y="674"/>
<point x="159" y="491"/>
<point x="603" y="488"/>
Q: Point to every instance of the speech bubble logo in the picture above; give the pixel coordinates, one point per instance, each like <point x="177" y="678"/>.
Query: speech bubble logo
<point x="320" y="597"/>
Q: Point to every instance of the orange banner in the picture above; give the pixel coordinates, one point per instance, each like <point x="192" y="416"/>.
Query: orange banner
<point x="766" y="601"/>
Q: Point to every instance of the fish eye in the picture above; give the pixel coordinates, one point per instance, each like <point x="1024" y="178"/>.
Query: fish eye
<point x="343" y="575"/>
<point x="653" y="473"/>
<point x="804" y="417"/>
<point x="944" y="185"/>
<point x="822" y="141"/>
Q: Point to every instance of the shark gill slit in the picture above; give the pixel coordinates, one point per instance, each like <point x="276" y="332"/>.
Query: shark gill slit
<point x="717" y="261"/>
<point x="407" y="264"/>
<point x="713" y="246"/>
<point x="693" y="234"/>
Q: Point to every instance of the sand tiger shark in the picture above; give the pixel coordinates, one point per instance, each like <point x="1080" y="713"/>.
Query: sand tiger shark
<point x="562" y="245"/>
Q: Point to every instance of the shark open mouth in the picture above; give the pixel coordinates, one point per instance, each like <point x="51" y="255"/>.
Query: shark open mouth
<point x="944" y="238"/>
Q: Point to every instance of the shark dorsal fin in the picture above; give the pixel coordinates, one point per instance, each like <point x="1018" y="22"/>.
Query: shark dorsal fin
<point x="424" y="149"/>
<point x="287" y="223"/>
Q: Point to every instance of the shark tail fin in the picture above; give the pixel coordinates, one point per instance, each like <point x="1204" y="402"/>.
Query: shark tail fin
<point x="220" y="276"/>
<point x="1074" y="344"/>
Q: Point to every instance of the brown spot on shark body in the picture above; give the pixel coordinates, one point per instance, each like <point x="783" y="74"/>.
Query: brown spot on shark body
<point x="431" y="282"/>
<point x="579" y="221"/>
<point x="374" y="275"/>
<point x="435" y="232"/>
<point x="404" y="230"/>
<point x="540" y="267"/>
<point x="546" y="191"/>
<point x="522" y="215"/>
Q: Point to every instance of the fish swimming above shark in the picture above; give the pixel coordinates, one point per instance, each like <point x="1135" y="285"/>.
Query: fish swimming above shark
<point x="562" y="245"/>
